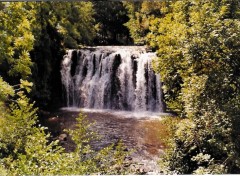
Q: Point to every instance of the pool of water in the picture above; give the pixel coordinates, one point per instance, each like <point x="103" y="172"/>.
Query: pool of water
<point x="135" y="129"/>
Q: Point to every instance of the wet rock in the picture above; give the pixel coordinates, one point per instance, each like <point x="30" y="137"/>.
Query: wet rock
<point x="128" y="158"/>
<point x="62" y="137"/>
<point x="53" y="124"/>
<point x="141" y="171"/>
<point x="53" y="120"/>
<point x="44" y="113"/>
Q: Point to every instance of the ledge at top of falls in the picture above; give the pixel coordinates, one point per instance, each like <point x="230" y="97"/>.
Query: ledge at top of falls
<point x="109" y="48"/>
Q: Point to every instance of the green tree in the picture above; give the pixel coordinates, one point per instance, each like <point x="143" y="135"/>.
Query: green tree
<point x="198" y="59"/>
<point x="75" y="22"/>
<point x="110" y="17"/>
<point x="26" y="148"/>
<point x="16" y="39"/>
<point x="140" y="16"/>
<point x="16" y="42"/>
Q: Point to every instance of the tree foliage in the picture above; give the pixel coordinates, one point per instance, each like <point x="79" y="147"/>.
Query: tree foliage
<point x="140" y="16"/>
<point x="16" y="39"/>
<point x="110" y="17"/>
<point x="26" y="149"/>
<point x="198" y="59"/>
<point x="75" y="22"/>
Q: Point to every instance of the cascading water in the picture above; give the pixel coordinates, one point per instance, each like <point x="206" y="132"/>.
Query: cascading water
<point x="106" y="77"/>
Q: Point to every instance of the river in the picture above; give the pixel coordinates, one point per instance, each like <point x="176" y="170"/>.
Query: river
<point x="139" y="132"/>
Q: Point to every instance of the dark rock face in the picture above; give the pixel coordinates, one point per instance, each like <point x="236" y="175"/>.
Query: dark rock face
<point x="116" y="84"/>
<point x="119" y="78"/>
<point x="74" y="63"/>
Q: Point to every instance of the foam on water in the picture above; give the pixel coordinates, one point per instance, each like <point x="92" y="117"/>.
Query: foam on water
<point x="122" y="114"/>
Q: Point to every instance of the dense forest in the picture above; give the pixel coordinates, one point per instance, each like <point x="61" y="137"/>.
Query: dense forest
<point x="198" y="57"/>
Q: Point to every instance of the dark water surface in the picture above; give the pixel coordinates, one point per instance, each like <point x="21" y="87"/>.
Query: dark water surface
<point x="114" y="126"/>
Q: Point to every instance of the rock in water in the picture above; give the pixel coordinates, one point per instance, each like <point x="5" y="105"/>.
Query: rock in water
<point x="62" y="137"/>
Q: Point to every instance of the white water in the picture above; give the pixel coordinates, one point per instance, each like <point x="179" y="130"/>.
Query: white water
<point x="118" y="78"/>
<point x="122" y="114"/>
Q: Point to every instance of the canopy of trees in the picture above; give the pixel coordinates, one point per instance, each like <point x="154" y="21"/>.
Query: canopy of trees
<point x="111" y="17"/>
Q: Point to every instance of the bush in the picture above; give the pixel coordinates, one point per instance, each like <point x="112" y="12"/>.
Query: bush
<point x="27" y="150"/>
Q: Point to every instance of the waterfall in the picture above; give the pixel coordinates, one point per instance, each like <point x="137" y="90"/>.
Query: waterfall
<point x="113" y="77"/>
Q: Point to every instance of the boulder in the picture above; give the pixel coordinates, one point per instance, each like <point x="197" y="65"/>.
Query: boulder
<point x="62" y="137"/>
